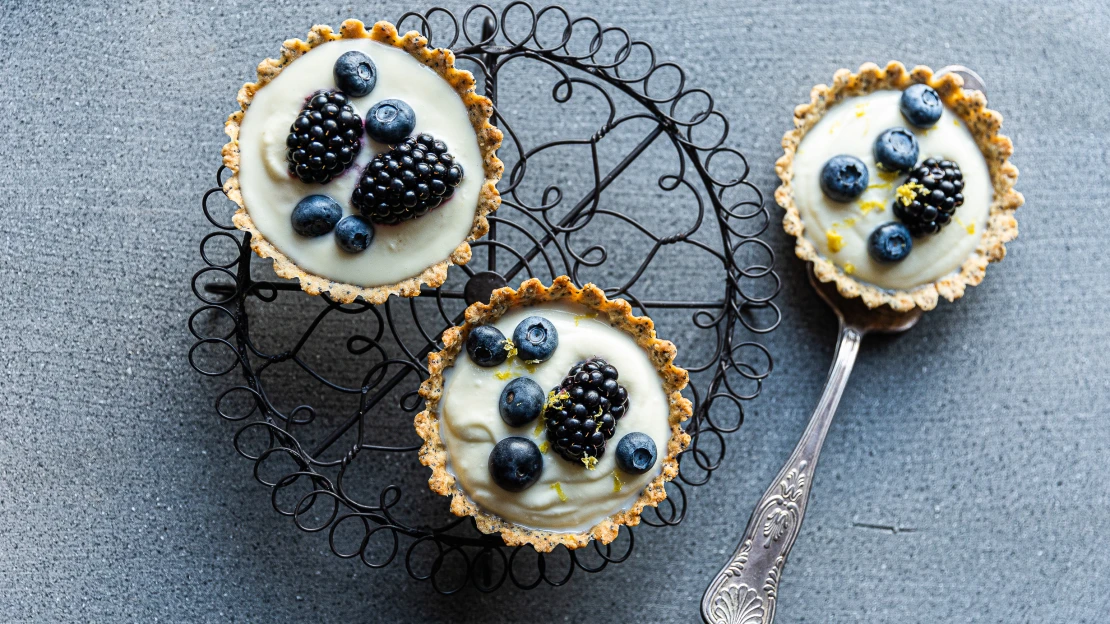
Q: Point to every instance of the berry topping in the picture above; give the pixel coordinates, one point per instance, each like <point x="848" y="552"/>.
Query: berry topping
<point x="535" y="339"/>
<point x="324" y="139"/>
<point x="636" y="453"/>
<point x="407" y="181"/>
<point x="582" y="413"/>
<point x="921" y="105"/>
<point x="354" y="234"/>
<point x="890" y="242"/>
<point x="390" y="121"/>
<point x="844" y="178"/>
<point x="486" y="346"/>
<point x="515" y="464"/>
<point x="521" y="402"/>
<point x="316" y="215"/>
<point x="930" y="196"/>
<point x="895" y="150"/>
<point x="355" y="74"/>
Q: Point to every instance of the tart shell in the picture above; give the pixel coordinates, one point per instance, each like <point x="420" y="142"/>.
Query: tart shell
<point x="618" y="312"/>
<point x="984" y="125"/>
<point x="479" y="109"/>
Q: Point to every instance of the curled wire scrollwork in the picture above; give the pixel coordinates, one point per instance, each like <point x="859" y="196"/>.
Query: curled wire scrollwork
<point x="308" y="461"/>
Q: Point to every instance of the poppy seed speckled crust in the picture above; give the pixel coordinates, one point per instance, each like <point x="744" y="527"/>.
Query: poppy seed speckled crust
<point x="616" y="312"/>
<point x="984" y="124"/>
<point x="438" y="60"/>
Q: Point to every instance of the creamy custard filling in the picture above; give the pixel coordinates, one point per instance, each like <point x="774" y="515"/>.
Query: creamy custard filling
<point x="840" y="230"/>
<point x="270" y="193"/>
<point x="567" y="497"/>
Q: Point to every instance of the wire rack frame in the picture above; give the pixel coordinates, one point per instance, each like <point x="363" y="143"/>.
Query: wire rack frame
<point x="585" y="56"/>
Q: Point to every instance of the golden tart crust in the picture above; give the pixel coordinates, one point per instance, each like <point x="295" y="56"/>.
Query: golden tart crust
<point x="984" y="125"/>
<point x="479" y="108"/>
<point x="433" y="453"/>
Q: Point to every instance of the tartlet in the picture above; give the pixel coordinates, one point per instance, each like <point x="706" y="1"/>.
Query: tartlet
<point x="998" y="226"/>
<point x="455" y="447"/>
<point x="332" y="272"/>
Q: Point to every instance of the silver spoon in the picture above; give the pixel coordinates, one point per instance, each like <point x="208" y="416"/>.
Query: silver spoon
<point x="746" y="590"/>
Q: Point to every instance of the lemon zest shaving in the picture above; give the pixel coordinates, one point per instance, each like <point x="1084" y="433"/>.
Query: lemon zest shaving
<point x="849" y="268"/>
<point x="545" y="446"/>
<point x="579" y="317"/>
<point x="589" y="462"/>
<point x="882" y="187"/>
<point x="558" y="487"/>
<point x="908" y="192"/>
<point x="555" y="400"/>
<point x="970" y="227"/>
<point x="539" y="427"/>
<point x="505" y="374"/>
<point x="867" y="206"/>
<point x="510" y="348"/>
<point x="956" y="122"/>
<point x="850" y="221"/>
<point x="617" y="483"/>
<point x="888" y="176"/>
<point x="835" y="240"/>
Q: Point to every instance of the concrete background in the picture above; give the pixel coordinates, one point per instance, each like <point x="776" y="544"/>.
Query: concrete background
<point x="980" y="436"/>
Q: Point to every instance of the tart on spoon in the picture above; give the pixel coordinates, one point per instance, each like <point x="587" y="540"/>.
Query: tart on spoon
<point x="897" y="185"/>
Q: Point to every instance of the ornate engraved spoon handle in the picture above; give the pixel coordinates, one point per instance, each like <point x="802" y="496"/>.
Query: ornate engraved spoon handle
<point x="744" y="592"/>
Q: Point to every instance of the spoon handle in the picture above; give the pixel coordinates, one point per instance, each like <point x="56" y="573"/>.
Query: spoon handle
<point x="744" y="592"/>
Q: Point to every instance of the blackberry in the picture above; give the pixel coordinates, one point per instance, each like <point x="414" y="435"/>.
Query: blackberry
<point x="582" y="413"/>
<point x="930" y="196"/>
<point x="324" y="139"/>
<point x="407" y="181"/>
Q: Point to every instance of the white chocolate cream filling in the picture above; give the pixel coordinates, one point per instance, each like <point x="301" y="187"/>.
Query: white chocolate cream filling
<point x="270" y="193"/>
<point x="470" y="425"/>
<point x="840" y="230"/>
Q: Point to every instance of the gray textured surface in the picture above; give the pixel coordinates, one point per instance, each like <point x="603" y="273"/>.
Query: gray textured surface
<point x="980" y="434"/>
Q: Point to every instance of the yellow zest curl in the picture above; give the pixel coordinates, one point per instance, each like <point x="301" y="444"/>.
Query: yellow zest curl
<point x="908" y="192"/>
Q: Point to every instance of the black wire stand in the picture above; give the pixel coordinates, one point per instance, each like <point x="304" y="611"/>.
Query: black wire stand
<point x="303" y="456"/>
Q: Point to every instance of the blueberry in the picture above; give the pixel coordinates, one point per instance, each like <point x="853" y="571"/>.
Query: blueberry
<point x="890" y="242"/>
<point x="636" y="453"/>
<point x="521" y="402"/>
<point x="844" y="178"/>
<point x="316" y="215"/>
<point x="355" y="74"/>
<point x="354" y="233"/>
<point x="921" y="105"/>
<point x="515" y="464"/>
<point x="535" y="339"/>
<point x="895" y="150"/>
<point x="486" y="346"/>
<point x="390" y="121"/>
